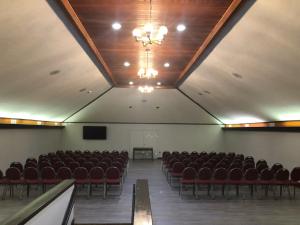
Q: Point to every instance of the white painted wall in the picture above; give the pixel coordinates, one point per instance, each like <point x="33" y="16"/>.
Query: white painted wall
<point x="163" y="137"/>
<point x="19" y="144"/>
<point x="282" y="147"/>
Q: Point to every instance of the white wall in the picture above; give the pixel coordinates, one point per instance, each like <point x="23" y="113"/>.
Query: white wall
<point x="19" y="144"/>
<point x="282" y="147"/>
<point x="163" y="137"/>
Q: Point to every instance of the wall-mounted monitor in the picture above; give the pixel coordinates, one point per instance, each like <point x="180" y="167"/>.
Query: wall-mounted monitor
<point x="94" y="132"/>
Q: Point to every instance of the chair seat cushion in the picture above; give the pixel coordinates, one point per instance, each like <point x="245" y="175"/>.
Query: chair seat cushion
<point x="113" y="181"/>
<point x="50" y="181"/>
<point x="96" y="181"/>
<point x="185" y="181"/>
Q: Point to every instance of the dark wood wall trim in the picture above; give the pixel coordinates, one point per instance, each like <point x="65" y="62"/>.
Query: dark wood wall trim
<point x="182" y="92"/>
<point x="21" y="126"/>
<point x="268" y="129"/>
<point x="86" y="105"/>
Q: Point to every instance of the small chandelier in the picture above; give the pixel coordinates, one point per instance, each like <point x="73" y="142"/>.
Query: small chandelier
<point x="147" y="72"/>
<point x="146" y="89"/>
<point x="148" y="34"/>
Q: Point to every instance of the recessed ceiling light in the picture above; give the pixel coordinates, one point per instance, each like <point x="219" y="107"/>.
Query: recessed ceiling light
<point x="158" y="83"/>
<point x="157" y="107"/>
<point x="54" y="72"/>
<point x="180" y="27"/>
<point x="89" y="92"/>
<point x="130" y="82"/>
<point x="116" y="26"/>
<point x="82" y="90"/>
<point x="207" y="92"/>
<point x="167" y="64"/>
<point x="126" y="64"/>
<point x="130" y="107"/>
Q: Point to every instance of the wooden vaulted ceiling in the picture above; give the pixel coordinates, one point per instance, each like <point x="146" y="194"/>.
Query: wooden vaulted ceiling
<point x="202" y="18"/>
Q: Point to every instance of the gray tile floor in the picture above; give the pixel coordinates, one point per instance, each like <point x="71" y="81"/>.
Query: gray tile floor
<point x="168" y="208"/>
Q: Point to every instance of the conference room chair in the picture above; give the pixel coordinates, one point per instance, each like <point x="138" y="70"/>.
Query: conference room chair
<point x="188" y="179"/>
<point x="81" y="176"/>
<point x="64" y="173"/>
<point x="31" y="177"/>
<point x="281" y="179"/>
<point x="203" y="179"/>
<point x="14" y="179"/>
<point x="48" y="177"/>
<point x="219" y="178"/>
<point x="295" y="179"/>
<point x="88" y="165"/>
<point x="113" y="178"/>
<point x="235" y="177"/>
<point x="97" y="178"/>
<point x="276" y="167"/>
<point x="73" y="165"/>
<point x="177" y="170"/>
<point x="58" y="165"/>
<point x="250" y="179"/>
<point x="265" y="179"/>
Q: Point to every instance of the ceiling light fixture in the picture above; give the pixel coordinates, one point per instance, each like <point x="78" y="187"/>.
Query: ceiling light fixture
<point x="116" y="26"/>
<point x="130" y="82"/>
<point x="147" y="72"/>
<point x="167" y="64"/>
<point x="146" y="89"/>
<point x="148" y="34"/>
<point x="127" y="64"/>
<point x="180" y="27"/>
<point x="158" y="83"/>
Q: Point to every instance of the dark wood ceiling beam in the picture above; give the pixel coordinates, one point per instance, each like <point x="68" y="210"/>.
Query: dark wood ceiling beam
<point x="233" y="6"/>
<point x="69" y="9"/>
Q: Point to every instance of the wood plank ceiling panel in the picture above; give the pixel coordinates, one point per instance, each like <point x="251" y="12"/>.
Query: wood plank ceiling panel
<point x="202" y="18"/>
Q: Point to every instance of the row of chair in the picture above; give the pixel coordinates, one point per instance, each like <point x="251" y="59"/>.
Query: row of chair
<point x="48" y="176"/>
<point x="223" y="172"/>
<point x="53" y="167"/>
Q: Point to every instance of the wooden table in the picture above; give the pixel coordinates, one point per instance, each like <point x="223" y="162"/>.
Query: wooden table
<point x="142" y="150"/>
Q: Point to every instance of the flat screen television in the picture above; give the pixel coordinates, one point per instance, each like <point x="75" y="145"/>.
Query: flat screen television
<point x="94" y="132"/>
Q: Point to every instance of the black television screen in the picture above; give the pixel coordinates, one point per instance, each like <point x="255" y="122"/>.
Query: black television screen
<point x="94" y="133"/>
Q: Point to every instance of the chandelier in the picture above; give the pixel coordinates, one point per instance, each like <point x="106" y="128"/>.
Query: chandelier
<point x="148" y="34"/>
<point x="147" y="72"/>
<point x="146" y="89"/>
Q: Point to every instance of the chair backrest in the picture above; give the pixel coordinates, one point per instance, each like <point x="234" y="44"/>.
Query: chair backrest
<point x="194" y="165"/>
<point x="58" y="164"/>
<point x="96" y="173"/>
<point x="31" y="160"/>
<point x="295" y="174"/>
<point x="88" y="165"/>
<point x="44" y="163"/>
<point x="266" y="174"/>
<point x="251" y="174"/>
<point x="13" y="173"/>
<point x="260" y="167"/>
<point x="64" y="173"/>
<point x="178" y="167"/>
<point x="17" y="165"/>
<point x="247" y="166"/>
<point x="1" y="175"/>
<point x="282" y="174"/>
<point x="235" y="174"/>
<point x="189" y="173"/>
<point x="205" y="173"/>
<point x="80" y="173"/>
<point x="112" y="173"/>
<point x="73" y="165"/>
<point x="118" y="165"/>
<point x="94" y="160"/>
<point x="48" y="173"/>
<point x="219" y="174"/>
<point x="276" y="167"/>
<point x="103" y="165"/>
<point x="107" y="161"/>
<point x="31" y="173"/>
<point x="261" y="161"/>
<point x="30" y="164"/>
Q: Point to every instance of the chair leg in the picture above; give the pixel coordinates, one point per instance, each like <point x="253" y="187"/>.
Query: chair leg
<point x="223" y="190"/>
<point x="28" y="187"/>
<point x="289" y="191"/>
<point x="237" y="187"/>
<point x="294" y="191"/>
<point x="4" y="191"/>
<point x="280" y="191"/>
<point x="104" y="190"/>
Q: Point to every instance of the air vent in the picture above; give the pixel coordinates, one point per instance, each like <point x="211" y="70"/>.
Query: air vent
<point x="54" y="72"/>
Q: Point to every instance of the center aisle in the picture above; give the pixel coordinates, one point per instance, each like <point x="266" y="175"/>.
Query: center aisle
<point x="169" y="209"/>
